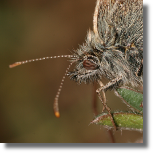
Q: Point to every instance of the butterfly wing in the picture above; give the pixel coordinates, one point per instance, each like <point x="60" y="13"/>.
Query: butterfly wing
<point x="119" y="22"/>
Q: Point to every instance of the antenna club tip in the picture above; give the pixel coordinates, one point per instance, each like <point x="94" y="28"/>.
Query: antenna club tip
<point x="15" y="64"/>
<point x="57" y="114"/>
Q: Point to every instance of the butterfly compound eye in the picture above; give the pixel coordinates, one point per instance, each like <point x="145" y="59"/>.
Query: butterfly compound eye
<point x="89" y="65"/>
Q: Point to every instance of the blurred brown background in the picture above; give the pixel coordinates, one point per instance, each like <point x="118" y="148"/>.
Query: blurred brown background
<point x="38" y="28"/>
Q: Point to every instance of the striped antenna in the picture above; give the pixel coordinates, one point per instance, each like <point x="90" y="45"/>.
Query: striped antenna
<point x="56" y="108"/>
<point x="40" y="59"/>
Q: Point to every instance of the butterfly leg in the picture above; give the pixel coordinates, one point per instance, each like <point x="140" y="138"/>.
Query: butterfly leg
<point x="103" y="97"/>
<point x="94" y="100"/>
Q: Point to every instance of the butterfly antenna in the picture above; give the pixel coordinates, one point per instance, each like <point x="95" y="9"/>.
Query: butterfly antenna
<point x="56" y="108"/>
<point x="39" y="59"/>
